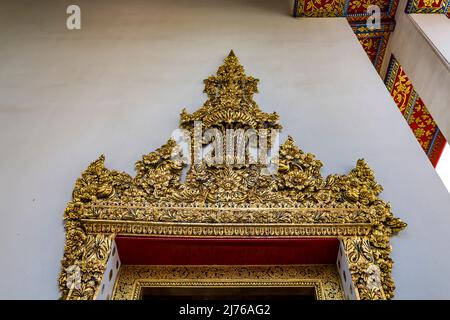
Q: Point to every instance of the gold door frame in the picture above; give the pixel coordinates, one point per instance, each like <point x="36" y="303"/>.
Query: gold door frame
<point x="324" y="279"/>
<point x="219" y="200"/>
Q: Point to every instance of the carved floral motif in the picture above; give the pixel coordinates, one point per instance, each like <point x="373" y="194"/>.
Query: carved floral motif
<point x="230" y="200"/>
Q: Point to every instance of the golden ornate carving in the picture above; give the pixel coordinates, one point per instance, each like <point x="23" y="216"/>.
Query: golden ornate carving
<point x="89" y="258"/>
<point x="230" y="101"/>
<point x="365" y="274"/>
<point x="231" y="200"/>
<point x="323" y="278"/>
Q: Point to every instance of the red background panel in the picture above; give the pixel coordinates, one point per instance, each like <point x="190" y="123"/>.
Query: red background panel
<point x="228" y="251"/>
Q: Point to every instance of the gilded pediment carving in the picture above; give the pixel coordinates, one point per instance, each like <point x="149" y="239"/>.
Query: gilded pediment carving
<point x="172" y="196"/>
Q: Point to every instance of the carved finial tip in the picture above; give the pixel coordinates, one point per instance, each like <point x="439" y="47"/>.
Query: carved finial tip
<point x="231" y="54"/>
<point x="361" y="162"/>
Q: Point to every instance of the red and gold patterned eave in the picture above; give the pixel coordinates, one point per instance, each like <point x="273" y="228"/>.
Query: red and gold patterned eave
<point x="371" y="46"/>
<point x="374" y="42"/>
<point x="354" y="10"/>
<point x="375" y="48"/>
<point x="415" y="112"/>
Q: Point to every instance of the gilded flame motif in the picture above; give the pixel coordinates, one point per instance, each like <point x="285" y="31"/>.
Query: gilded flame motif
<point x="230" y="200"/>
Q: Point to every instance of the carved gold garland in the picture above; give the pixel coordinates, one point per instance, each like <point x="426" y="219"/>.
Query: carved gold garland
<point x="229" y="200"/>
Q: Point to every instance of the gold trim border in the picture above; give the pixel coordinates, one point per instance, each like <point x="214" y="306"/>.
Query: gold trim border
<point x="136" y="228"/>
<point x="139" y="285"/>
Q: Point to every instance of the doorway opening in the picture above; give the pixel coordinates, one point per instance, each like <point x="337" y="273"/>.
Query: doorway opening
<point x="261" y="294"/>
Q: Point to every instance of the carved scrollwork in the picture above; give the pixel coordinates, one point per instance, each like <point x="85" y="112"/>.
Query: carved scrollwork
<point x="231" y="199"/>
<point x="157" y="173"/>
<point x="364" y="269"/>
<point x="83" y="270"/>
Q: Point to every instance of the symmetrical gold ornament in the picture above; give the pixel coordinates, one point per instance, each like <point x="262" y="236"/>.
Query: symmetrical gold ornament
<point x="229" y="200"/>
<point x="324" y="279"/>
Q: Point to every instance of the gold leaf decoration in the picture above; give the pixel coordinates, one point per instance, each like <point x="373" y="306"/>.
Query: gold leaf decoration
<point x="230" y="200"/>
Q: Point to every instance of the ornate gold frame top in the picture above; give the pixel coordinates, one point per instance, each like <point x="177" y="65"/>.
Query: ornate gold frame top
<point x="229" y="199"/>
